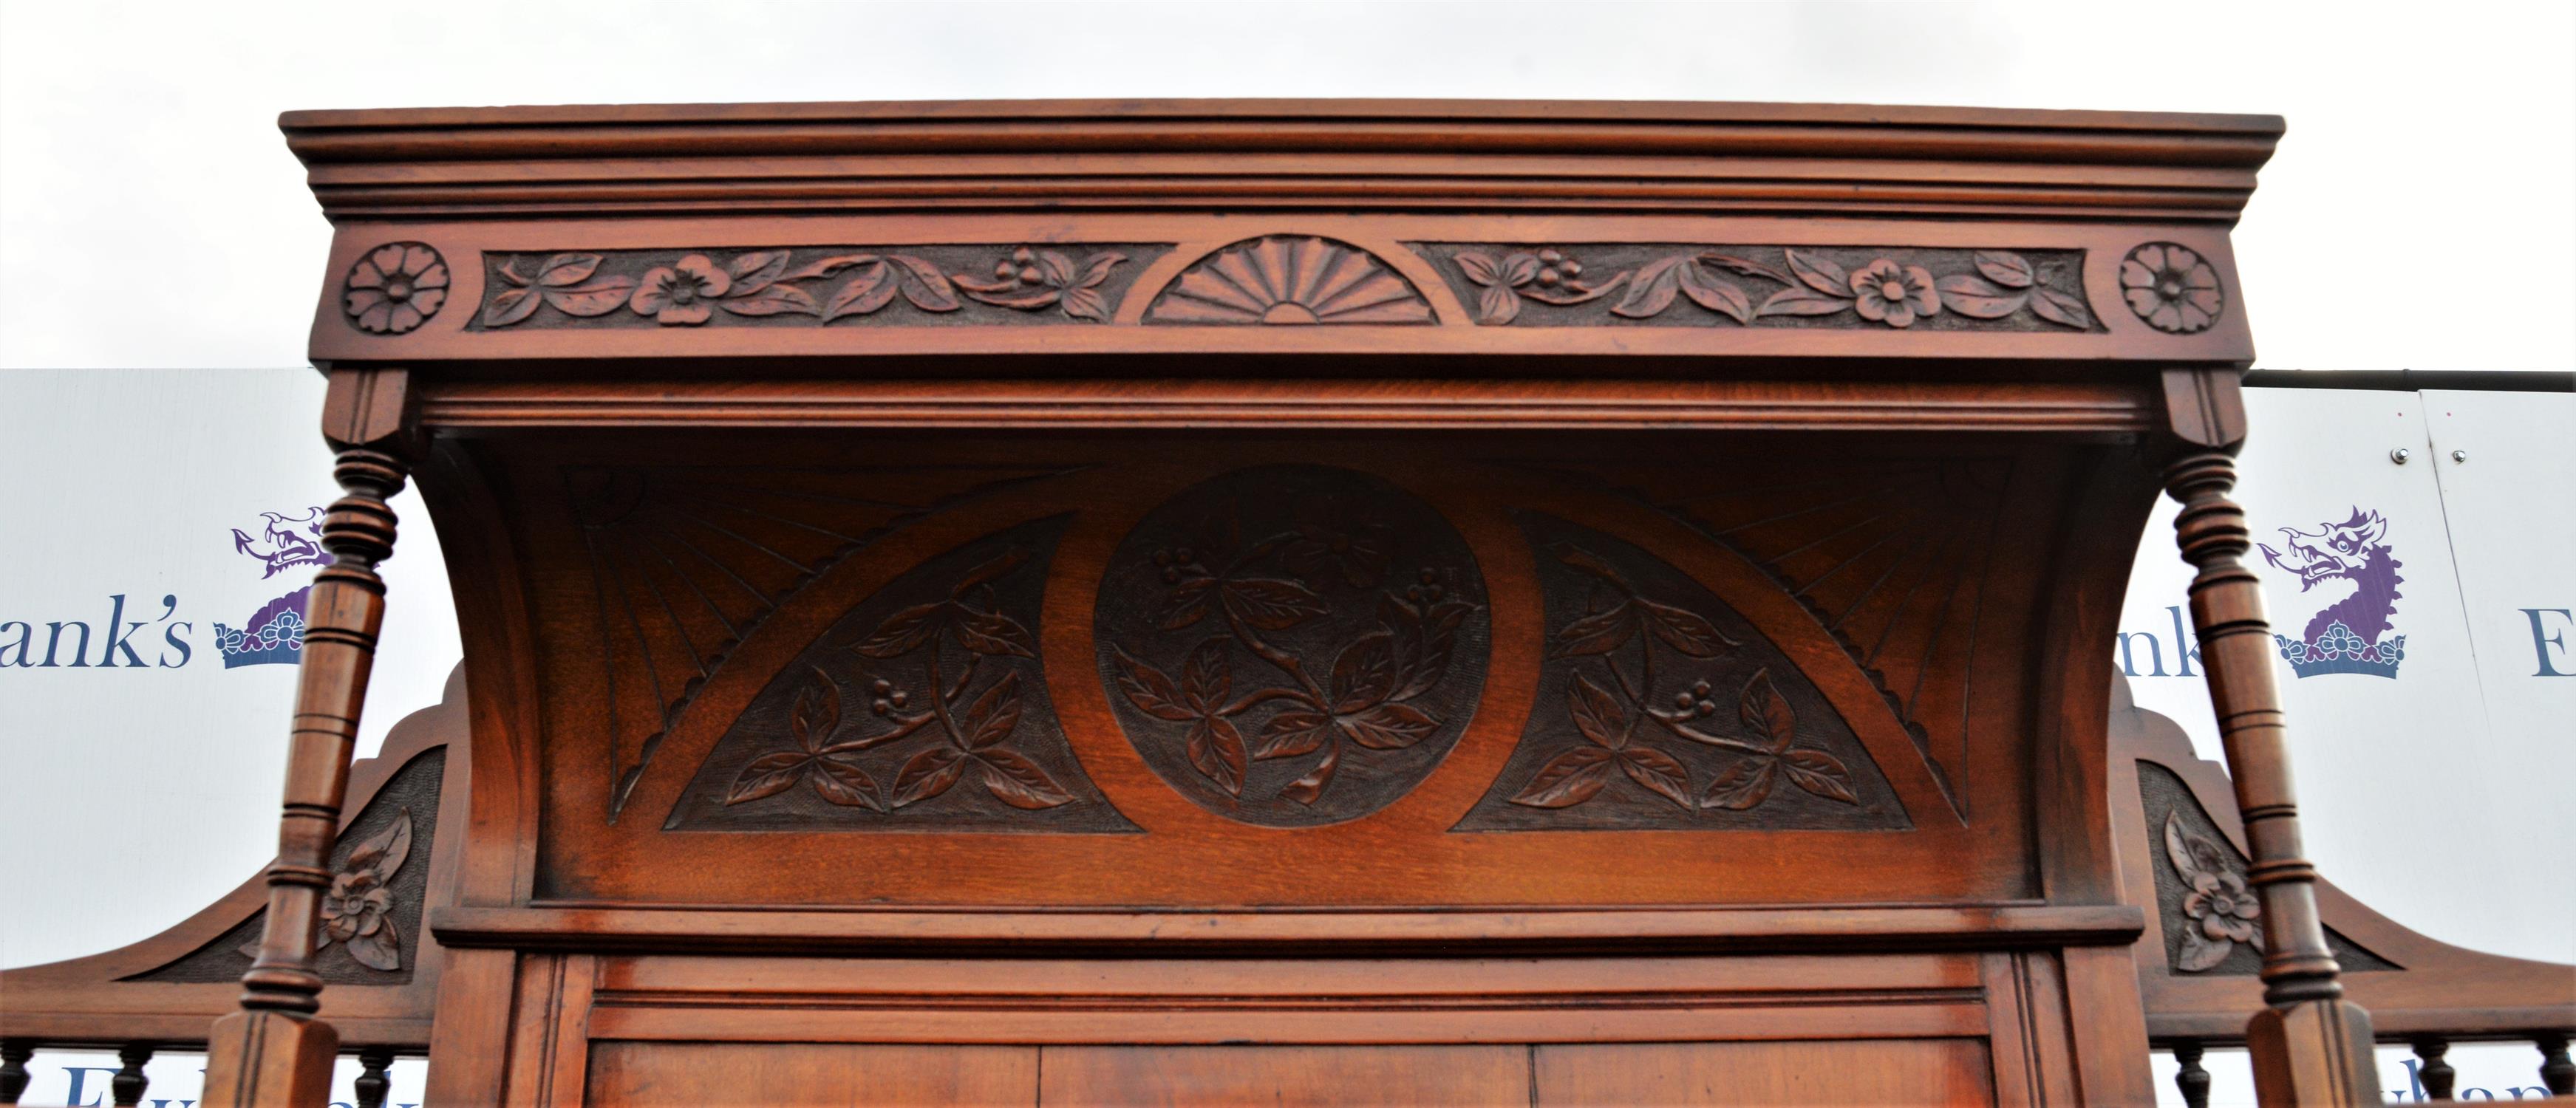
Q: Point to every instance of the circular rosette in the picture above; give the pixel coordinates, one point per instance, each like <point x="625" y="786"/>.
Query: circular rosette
<point x="1293" y="645"/>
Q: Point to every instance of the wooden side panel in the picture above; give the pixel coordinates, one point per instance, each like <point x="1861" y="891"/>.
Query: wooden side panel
<point x="796" y="1075"/>
<point x="1286" y="1076"/>
<point x="1883" y="1072"/>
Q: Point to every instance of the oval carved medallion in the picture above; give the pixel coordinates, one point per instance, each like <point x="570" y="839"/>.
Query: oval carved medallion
<point x="1293" y="646"/>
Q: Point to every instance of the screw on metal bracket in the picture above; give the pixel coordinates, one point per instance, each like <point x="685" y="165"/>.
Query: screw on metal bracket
<point x="2400" y="455"/>
<point x="2459" y="455"/>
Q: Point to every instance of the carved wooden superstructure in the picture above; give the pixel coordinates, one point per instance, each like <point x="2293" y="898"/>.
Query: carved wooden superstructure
<point x="1405" y="601"/>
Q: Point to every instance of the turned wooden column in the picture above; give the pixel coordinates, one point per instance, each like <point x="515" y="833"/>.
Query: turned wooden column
<point x="2310" y="1046"/>
<point x="273" y="1051"/>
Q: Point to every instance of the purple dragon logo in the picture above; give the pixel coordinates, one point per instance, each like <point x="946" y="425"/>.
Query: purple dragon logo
<point x="2350" y="635"/>
<point x="274" y="635"/>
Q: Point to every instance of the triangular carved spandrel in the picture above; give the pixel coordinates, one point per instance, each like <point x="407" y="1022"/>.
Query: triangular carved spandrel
<point x="1661" y="708"/>
<point x="2212" y="921"/>
<point x="686" y="562"/>
<point x="924" y="708"/>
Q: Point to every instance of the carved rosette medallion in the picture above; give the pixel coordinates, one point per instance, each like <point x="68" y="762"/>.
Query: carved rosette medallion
<point x="1679" y="284"/>
<point x="2172" y="287"/>
<point x="394" y="288"/>
<point x="923" y="708"/>
<point x="1290" y="279"/>
<point x="1293" y="646"/>
<point x="1660" y="708"/>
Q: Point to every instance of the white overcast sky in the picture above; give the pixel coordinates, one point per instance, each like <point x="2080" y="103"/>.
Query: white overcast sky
<point x="2421" y="213"/>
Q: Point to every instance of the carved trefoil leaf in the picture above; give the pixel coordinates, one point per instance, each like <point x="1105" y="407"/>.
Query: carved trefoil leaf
<point x="922" y="708"/>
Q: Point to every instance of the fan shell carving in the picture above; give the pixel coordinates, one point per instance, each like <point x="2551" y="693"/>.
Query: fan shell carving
<point x="1285" y="279"/>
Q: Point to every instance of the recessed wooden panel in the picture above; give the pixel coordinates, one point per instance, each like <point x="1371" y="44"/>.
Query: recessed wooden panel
<point x="1884" y="1072"/>
<point x="1286" y="1077"/>
<point x="807" y="1075"/>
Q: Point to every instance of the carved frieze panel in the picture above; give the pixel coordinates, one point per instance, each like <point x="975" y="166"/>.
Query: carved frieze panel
<point x="1293" y="645"/>
<point x="685" y="562"/>
<point x="1290" y="279"/>
<point x="371" y="913"/>
<point x="810" y="286"/>
<point x="1689" y="285"/>
<point x="923" y="708"/>
<point x="2212" y="920"/>
<point x="1660" y="708"/>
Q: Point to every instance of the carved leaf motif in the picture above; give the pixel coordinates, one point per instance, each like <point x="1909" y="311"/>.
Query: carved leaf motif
<point x="993" y="633"/>
<point x="1748" y="267"/>
<point x="1800" y="301"/>
<point x="597" y="298"/>
<point x="2060" y="308"/>
<point x="1186" y="605"/>
<point x="2004" y="268"/>
<point x="1310" y="788"/>
<point x="928" y="774"/>
<point x="1095" y="268"/>
<point x="1658" y="771"/>
<point x="1018" y="782"/>
<point x="1216" y="748"/>
<point x="903" y="632"/>
<point x="1974" y="296"/>
<point x="1085" y="303"/>
<point x="1597" y="713"/>
<point x="510" y="306"/>
<point x="1765" y="713"/>
<point x="1568" y="779"/>
<point x="1651" y="290"/>
<point x="1479" y="268"/>
<point x="1742" y="785"/>
<point x="924" y="285"/>
<point x="773" y="300"/>
<point x="2191" y="854"/>
<point x="564" y="270"/>
<point x="1150" y="690"/>
<point x="757" y="270"/>
<point x="767" y="775"/>
<point x="1365" y="672"/>
<point x="1269" y="603"/>
<point x="1821" y="274"/>
<point x="384" y="851"/>
<point x="994" y="715"/>
<point x="817" y="712"/>
<point x="866" y="291"/>
<point x="1819" y="773"/>
<point x="1424" y="648"/>
<point x="2200" y="952"/>
<point x="845" y="784"/>
<point x="1685" y="631"/>
<point x="1497" y="305"/>
<point x="826" y="266"/>
<point x="1388" y="726"/>
<point x="1207" y="678"/>
<point x="1292" y="733"/>
<point x="1723" y="297"/>
<point x="1598" y="633"/>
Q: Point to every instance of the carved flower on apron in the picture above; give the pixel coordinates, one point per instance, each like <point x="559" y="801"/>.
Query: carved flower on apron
<point x="1893" y="294"/>
<point x="2220" y="908"/>
<point x="395" y="288"/>
<point x="2171" y="288"/>
<point x="681" y="293"/>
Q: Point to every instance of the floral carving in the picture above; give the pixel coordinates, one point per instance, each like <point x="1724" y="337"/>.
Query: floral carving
<point x="2172" y="288"/>
<point x="973" y="725"/>
<point x="1031" y="279"/>
<point x="1272" y="633"/>
<point x="395" y="288"/>
<point x="1289" y="280"/>
<point x="355" y="908"/>
<point x="695" y="289"/>
<point x="1883" y="290"/>
<point x="2219" y="911"/>
<point x="1610" y="714"/>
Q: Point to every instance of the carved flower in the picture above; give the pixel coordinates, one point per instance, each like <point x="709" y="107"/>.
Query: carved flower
<point x="682" y="293"/>
<point x="354" y="910"/>
<point x="395" y="288"/>
<point x="2171" y="288"/>
<point x="355" y="906"/>
<point x="2225" y="908"/>
<point x="1894" y="294"/>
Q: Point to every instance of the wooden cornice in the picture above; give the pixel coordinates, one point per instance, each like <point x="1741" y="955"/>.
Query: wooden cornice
<point x="1343" y="155"/>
